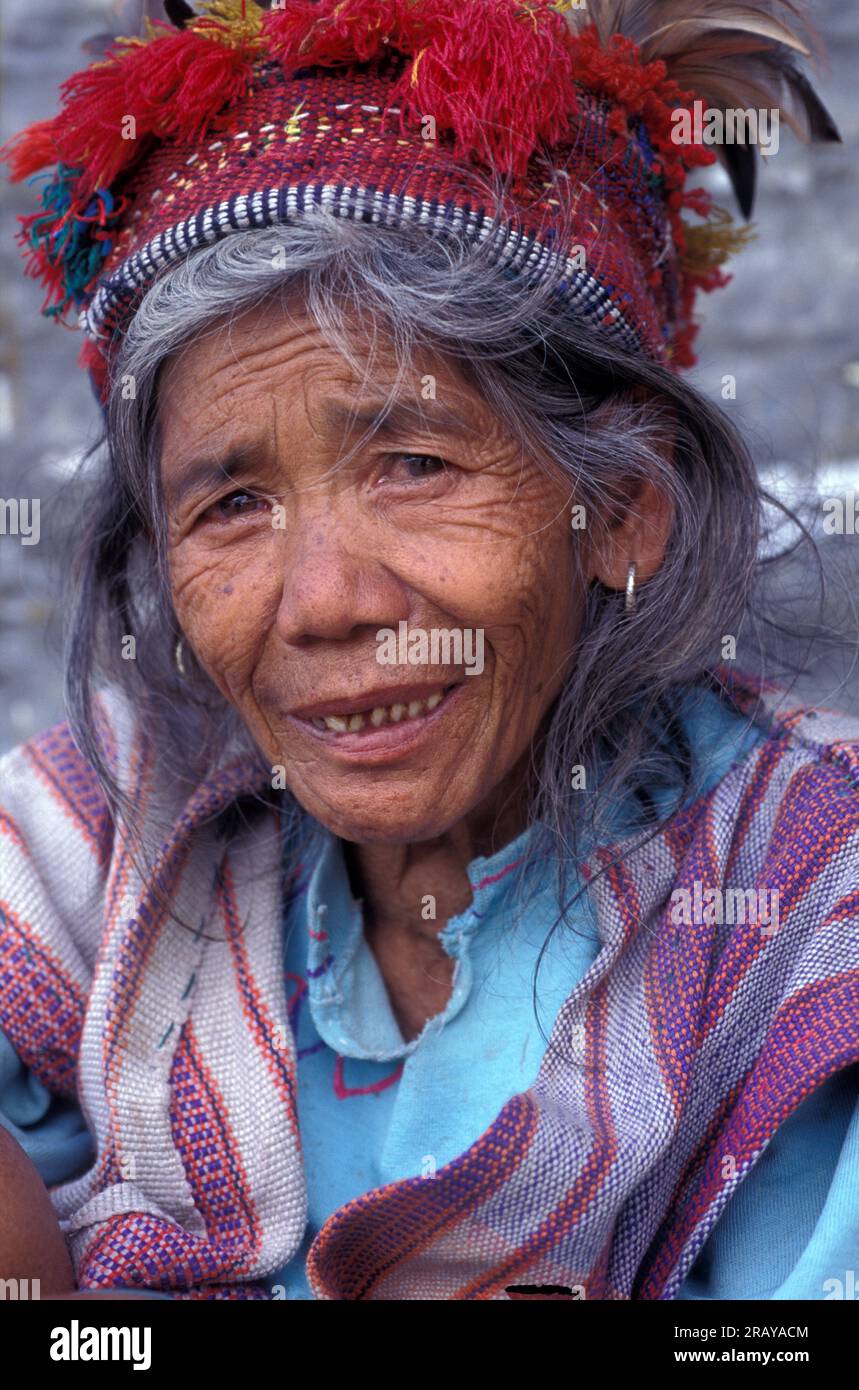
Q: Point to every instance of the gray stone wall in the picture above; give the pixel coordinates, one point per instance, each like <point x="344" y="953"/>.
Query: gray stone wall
<point x="786" y="329"/>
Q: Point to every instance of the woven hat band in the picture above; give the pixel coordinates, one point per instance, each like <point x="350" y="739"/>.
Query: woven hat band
<point x="332" y="141"/>
<point x="544" y="130"/>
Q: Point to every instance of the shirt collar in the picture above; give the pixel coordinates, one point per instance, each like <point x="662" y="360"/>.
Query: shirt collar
<point x="346" y="992"/>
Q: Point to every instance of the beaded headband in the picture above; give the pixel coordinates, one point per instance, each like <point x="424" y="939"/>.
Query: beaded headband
<point x="377" y="110"/>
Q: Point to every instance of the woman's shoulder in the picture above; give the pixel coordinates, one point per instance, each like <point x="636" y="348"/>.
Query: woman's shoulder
<point x="51" y="799"/>
<point x="783" y="714"/>
<point x="57" y="833"/>
<point x="774" y="838"/>
<point x="772" y="828"/>
<point x="800" y="769"/>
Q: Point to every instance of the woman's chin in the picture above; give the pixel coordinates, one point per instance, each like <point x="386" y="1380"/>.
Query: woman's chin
<point x="393" y="823"/>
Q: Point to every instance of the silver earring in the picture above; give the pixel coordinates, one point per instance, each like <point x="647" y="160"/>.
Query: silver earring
<point x="630" y="589"/>
<point x="179" y="658"/>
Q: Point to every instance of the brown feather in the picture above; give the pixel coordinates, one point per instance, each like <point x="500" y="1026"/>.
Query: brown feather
<point x="730" y="54"/>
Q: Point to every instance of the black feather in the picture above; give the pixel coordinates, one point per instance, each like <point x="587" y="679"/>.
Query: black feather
<point x="742" y="167"/>
<point x="821" y="125"/>
<point x="178" y="12"/>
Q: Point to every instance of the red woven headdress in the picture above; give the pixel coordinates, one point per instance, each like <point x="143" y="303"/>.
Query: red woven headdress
<point x="240" y="117"/>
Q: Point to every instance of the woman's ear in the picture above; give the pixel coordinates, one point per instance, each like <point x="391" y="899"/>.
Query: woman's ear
<point x="640" y="537"/>
<point x="643" y="515"/>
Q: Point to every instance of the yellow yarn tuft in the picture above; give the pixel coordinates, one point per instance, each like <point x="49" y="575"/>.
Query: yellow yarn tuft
<point x="239" y="22"/>
<point x="711" y="243"/>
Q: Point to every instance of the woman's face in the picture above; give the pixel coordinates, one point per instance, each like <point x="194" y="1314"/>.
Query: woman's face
<point x="286" y="567"/>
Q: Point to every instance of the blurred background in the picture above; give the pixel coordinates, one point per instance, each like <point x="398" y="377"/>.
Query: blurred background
<point x="785" y="329"/>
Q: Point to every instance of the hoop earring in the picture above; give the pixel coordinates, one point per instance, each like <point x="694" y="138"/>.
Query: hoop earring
<point x="179" y="659"/>
<point x="630" y="589"/>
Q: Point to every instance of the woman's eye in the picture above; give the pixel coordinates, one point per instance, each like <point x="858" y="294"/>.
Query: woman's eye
<point x="233" y="505"/>
<point x="417" y="467"/>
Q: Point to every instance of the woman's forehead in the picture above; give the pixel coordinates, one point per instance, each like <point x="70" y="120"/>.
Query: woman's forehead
<point x="287" y="360"/>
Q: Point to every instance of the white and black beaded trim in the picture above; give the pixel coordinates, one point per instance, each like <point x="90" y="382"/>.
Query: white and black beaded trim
<point x="269" y="207"/>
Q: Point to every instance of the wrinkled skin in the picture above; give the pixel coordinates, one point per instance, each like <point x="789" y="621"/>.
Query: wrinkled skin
<point x="282" y="616"/>
<point x="282" y="608"/>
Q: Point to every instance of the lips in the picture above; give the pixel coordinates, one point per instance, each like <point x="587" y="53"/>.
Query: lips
<point x="383" y="698"/>
<point x="361" y="729"/>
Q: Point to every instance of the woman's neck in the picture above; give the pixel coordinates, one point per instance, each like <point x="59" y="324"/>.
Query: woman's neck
<point x="410" y="891"/>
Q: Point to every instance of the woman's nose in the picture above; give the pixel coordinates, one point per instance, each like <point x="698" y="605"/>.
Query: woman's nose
<point x="333" y="583"/>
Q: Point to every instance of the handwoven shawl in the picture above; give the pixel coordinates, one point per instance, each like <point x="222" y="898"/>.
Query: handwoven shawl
<point x="155" y="993"/>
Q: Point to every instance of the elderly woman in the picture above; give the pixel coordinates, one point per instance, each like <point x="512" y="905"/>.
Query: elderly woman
<point x="418" y="903"/>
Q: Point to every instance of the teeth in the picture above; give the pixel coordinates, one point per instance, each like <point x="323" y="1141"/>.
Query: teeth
<point x="353" y="723"/>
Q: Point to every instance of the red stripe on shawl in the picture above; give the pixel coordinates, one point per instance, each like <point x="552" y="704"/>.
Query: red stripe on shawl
<point x="141" y="1250"/>
<point x="813" y="1035"/>
<point x="845" y="907"/>
<point x="74" y="786"/>
<point x="140" y="936"/>
<point x="107" y="1170"/>
<point x="207" y="1145"/>
<point x="139" y="765"/>
<point x="676" y="971"/>
<point x="561" y="1220"/>
<point x="811" y="828"/>
<point x="262" y="1026"/>
<point x="680" y="832"/>
<point x="41" y="1005"/>
<point x="687" y="1180"/>
<point x="769" y="756"/>
<point x="134" y="950"/>
<point x="565" y="1216"/>
<point x="847" y="753"/>
<point x="10" y="827"/>
<point x="812" y="820"/>
<point x="363" y="1241"/>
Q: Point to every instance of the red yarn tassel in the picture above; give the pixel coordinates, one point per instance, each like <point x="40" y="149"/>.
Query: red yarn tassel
<point x="495" y="74"/>
<point x="183" y="81"/>
<point x="173" y="85"/>
<point x="31" y="149"/>
<point x="499" y="78"/>
<point x="38" y="265"/>
<point x="331" y="34"/>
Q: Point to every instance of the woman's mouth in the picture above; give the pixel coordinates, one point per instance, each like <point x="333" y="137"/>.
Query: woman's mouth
<point x="380" y="729"/>
<point x="380" y="714"/>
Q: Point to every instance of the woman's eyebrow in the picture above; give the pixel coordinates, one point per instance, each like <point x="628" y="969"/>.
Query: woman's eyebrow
<point x="209" y="470"/>
<point x="391" y="418"/>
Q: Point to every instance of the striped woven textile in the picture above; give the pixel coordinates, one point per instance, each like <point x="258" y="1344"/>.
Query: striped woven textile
<point x="156" y="995"/>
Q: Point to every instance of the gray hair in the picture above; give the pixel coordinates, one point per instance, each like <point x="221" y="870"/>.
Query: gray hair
<point x="579" y="403"/>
